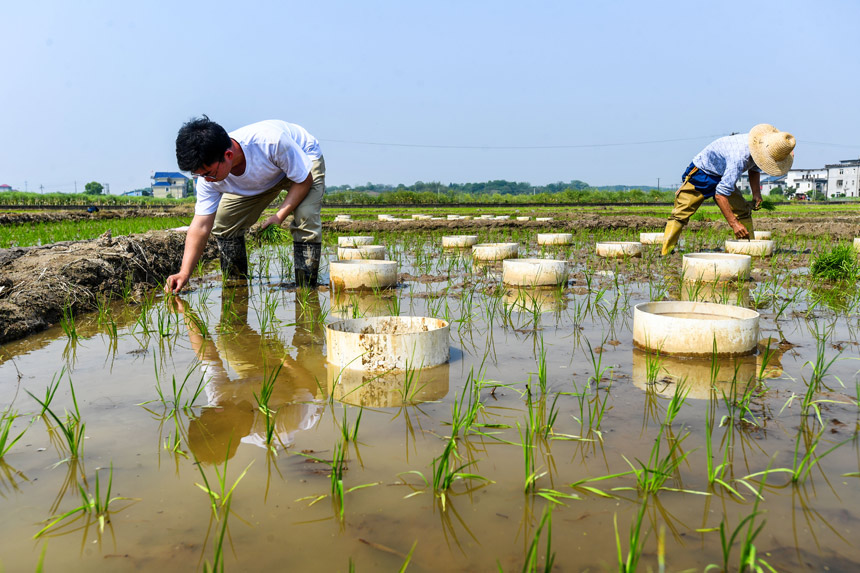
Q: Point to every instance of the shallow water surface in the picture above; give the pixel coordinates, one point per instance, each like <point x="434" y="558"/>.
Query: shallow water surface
<point x="545" y="413"/>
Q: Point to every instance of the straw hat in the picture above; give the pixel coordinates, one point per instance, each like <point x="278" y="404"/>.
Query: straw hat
<point x="772" y="149"/>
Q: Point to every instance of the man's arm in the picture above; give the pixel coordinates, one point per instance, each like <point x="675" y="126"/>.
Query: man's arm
<point x="755" y="187"/>
<point x="195" y="242"/>
<point x="737" y="228"/>
<point x="296" y="194"/>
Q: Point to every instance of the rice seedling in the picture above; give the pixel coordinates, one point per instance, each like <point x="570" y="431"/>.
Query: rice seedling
<point x="72" y="429"/>
<point x="749" y="559"/>
<point x="464" y="411"/>
<point x="67" y="322"/>
<point x="651" y="476"/>
<point x="636" y="541"/>
<point x="337" y="466"/>
<point x="411" y="386"/>
<point x="263" y="399"/>
<point x="219" y="499"/>
<point x="93" y="505"/>
<point x="7" y="418"/>
<point x="183" y="395"/>
<point x="349" y="432"/>
<point x="532" y="562"/>
<point x="802" y="464"/>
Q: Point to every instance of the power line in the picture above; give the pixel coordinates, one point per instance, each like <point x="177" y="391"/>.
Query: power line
<point x="498" y="147"/>
<point x="855" y="146"/>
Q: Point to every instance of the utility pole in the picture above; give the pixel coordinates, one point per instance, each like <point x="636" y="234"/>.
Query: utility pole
<point x="41" y="188"/>
<point x="76" y="187"/>
<point x="658" y="184"/>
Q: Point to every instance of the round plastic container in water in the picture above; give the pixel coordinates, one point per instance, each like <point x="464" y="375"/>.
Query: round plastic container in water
<point x="388" y="342"/>
<point x="651" y="238"/>
<point x="754" y="248"/>
<point x="495" y="251"/>
<point x="678" y="328"/>
<point x="354" y="241"/>
<point x="714" y="267"/>
<point x="459" y="241"/>
<point x="534" y="272"/>
<point x="362" y="274"/>
<point x="376" y="252"/>
<point x="762" y="235"/>
<point x="554" y="238"/>
<point x="615" y="249"/>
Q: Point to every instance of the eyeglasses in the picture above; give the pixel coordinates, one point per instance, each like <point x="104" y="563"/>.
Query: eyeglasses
<point x="212" y="173"/>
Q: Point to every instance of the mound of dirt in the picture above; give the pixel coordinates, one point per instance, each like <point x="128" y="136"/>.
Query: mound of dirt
<point x="36" y="283"/>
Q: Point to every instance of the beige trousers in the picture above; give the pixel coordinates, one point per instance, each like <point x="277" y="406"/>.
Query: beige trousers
<point x="688" y="199"/>
<point x="236" y="213"/>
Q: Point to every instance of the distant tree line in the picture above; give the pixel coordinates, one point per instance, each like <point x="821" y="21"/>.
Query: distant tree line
<point x="498" y="191"/>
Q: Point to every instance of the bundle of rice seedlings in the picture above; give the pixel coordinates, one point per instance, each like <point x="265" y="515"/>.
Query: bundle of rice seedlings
<point x="836" y="264"/>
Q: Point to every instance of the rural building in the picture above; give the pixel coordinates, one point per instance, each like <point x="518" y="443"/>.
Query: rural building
<point x="768" y="184"/>
<point x="843" y="178"/>
<point x="169" y="184"/>
<point x="807" y="181"/>
<point x="5" y="187"/>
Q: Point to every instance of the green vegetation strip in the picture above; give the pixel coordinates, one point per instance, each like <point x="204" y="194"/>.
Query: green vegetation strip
<point x="28" y="234"/>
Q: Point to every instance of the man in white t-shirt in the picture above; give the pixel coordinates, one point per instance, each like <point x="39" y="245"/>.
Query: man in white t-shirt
<point x="238" y="175"/>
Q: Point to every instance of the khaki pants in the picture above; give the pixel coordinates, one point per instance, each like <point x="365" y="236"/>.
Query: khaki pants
<point x="688" y="199"/>
<point x="236" y="213"/>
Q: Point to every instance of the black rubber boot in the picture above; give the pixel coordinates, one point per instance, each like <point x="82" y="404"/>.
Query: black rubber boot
<point x="307" y="262"/>
<point x="234" y="257"/>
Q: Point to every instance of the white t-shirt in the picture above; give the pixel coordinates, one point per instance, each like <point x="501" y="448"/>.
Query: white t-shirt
<point x="273" y="149"/>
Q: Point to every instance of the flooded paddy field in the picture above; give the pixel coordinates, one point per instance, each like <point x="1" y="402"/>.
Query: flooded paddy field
<point x="208" y="430"/>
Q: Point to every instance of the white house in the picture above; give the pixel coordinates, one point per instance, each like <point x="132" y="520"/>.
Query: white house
<point x="807" y="181"/>
<point x="169" y="184"/>
<point x="843" y="178"/>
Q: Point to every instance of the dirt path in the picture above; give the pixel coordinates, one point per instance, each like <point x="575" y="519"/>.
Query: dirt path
<point x="57" y="216"/>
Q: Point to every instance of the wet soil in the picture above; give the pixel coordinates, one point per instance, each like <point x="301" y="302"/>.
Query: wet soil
<point x="36" y="283"/>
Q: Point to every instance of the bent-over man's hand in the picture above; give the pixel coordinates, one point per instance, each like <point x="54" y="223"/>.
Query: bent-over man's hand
<point x="273" y="220"/>
<point x="175" y="283"/>
<point x="740" y="231"/>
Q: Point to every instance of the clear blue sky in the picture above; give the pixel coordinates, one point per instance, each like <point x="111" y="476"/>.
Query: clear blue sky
<point x="96" y="90"/>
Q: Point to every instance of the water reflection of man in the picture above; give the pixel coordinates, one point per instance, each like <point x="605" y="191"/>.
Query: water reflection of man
<point x="236" y="363"/>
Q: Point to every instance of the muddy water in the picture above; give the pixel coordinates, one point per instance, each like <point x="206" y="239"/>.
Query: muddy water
<point x="612" y="401"/>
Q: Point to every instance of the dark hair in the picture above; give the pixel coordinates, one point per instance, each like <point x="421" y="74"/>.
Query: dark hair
<point x="200" y="142"/>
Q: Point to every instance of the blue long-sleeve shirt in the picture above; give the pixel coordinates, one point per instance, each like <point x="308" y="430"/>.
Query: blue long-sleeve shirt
<point x="727" y="158"/>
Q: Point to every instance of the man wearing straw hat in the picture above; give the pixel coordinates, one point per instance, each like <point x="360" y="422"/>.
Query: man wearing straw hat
<point x="715" y="171"/>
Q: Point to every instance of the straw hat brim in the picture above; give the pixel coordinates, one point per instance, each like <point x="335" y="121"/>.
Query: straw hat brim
<point x="762" y="158"/>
